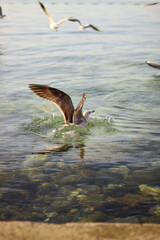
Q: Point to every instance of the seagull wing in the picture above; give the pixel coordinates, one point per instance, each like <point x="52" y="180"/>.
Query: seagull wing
<point x="61" y="99"/>
<point x="78" y="115"/>
<point x="48" y="15"/>
<point x="151" y="4"/>
<point x="75" y="20"/>
<point x="62" y="20"/>
<point x="153" y="64"/>
<point x="0" y="11"/>
<point x="92" y="26"/>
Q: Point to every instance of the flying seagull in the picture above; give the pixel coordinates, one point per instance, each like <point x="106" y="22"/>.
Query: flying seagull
<point x="82" y="28"/>
<point x="53" y="24"/>
<point x="1" y="14"/>
<point x="63" y="101"/>
<point x="153" y="64"/>
<point x="151" y="4"/>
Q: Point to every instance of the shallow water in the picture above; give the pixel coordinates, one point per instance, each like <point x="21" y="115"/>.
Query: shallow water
<point x="108" y="171"/>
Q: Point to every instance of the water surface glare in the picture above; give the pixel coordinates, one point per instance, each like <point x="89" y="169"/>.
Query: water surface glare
<point x="109" y="170"/>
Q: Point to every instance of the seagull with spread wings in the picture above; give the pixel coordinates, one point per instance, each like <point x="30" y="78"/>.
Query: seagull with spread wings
<point x="82" y="28"/>
<point x="53" y="24"/>
<point x="63" y="101"/>
<point x="153" y="64"/>
<point x="1" y="14"/>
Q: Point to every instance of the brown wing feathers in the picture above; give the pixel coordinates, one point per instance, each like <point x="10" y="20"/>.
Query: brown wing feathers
<point x="78" y="115"/>
<point x="61" y="99"/>
<point x="80" y="105"/>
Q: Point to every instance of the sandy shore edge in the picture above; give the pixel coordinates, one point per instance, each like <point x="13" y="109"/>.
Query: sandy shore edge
<point x="16" y="230"/>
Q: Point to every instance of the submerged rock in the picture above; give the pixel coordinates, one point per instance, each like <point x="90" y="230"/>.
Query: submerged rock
<point x="92" y="200"/>
<point x="73" y="178"/>
<point x="93" y="188"/>
<point x="156" y="164"/>
<point x="74" y="211"/>
<point x="103" y="171"/>
<point x="81" y="197"/>
<point x="94" y="217"/>
<point x="152" y="191"/>
<point x="155" y="210"/>
<point x="131" y="219"/>
<point x="60" y="204"/>
<point x="120" y="170"/>
<point x="51" y="215"/>
<point x="34" y="160"/>
<point x="111" y="187"/>
<point x="144" y="176"/>
<point x="130" y="199"/>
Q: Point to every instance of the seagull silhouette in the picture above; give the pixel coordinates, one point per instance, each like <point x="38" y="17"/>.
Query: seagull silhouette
<point x="63" y="101"/>
<point x="53" y="24"/>
<point x="1" y="14"/>
<point x="82" y="28"/>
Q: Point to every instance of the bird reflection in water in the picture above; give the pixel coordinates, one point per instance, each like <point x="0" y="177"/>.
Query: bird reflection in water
<point x="57" y="148"/>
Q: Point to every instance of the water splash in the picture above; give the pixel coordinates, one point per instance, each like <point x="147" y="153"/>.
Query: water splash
<point x="52" y="127"/>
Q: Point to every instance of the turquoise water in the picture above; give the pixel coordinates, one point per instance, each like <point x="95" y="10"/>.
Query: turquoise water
<point x="108" y="171"/>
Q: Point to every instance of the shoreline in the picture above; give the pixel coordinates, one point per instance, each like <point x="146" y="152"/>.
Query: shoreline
<point x="78" y="231"/>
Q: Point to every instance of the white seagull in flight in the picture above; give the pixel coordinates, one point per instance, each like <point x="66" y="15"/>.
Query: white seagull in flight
<point x="53" y="24"/>
<point x="1" y="14"/>
<point x="63" y="101"/>
<point x="82" y="28"/>
<point x="153" y="64"/>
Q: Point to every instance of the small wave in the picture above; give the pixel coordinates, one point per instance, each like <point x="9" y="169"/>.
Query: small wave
<point x="40" y="124"/>
<point x="52" y="127"/>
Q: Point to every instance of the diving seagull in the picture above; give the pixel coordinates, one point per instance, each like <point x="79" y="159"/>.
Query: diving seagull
<point x="63" y="101"/>
<point x="153" y="64"/>
<point x="151" y="4"/>
<point x="53" y="24"/>
<point x="1" y="14"/>
<point x="82" y="28"/>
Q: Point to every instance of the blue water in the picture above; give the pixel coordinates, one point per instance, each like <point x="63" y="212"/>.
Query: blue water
<point x="108" y="171"/>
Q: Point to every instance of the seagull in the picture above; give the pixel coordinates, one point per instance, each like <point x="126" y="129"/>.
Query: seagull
<point x="63" y="101"/>
<point x="82" y="28"/>
<point x="53" y="24"/>
<point x="151" y="4"/>
<point x="1" y="14"/>
<point x="153" y="64"/>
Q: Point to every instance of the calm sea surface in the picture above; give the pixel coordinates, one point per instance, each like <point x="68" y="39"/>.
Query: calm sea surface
<point x="110" y="170"/>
